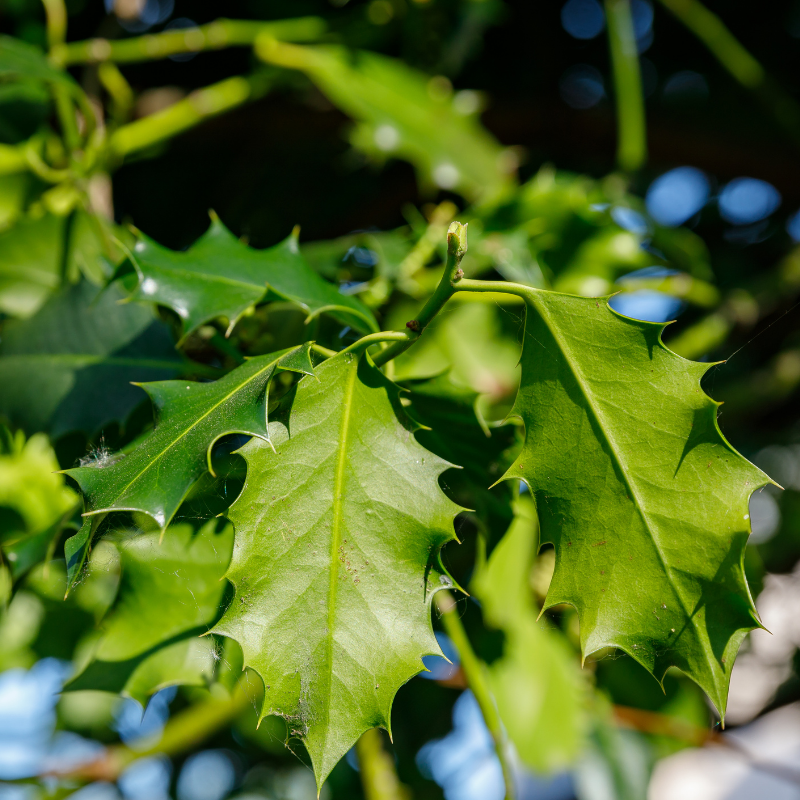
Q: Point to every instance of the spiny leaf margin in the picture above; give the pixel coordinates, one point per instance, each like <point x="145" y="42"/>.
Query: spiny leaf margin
<point x="282" y="614"/>
<point x="574" y="347"/>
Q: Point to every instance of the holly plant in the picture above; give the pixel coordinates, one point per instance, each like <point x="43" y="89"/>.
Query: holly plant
<point x="279" y="476"/>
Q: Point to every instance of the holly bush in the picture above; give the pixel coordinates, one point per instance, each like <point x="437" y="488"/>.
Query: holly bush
<point x="287" y="472"/>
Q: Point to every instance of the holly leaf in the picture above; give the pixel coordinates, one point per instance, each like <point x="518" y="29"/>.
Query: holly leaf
<point x="537" y="682"/>
<point x="220" y="276"/>
<point x="37" y="253"/>
<point x="170" y="595"/>
<point x="35" y="501"/>
<point x="457" y="433"/>
<point x="78" y="347"/>
<point x="190" y="418"/>
<point x="336" y="557"/>
<point x="401" y="113"/>
<point x="644" y="500"/>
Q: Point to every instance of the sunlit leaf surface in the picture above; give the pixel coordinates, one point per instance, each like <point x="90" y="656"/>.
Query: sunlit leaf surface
<point x="336" y="557"/>
<point x="644" y="500"/>
<point x="191" y="417"/>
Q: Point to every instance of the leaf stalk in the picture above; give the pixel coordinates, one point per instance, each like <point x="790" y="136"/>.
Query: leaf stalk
<point x="448" y="286"/>
<point x="475" y="673"/>
<point x="214" y="36"/>
<point x="631" y="131"/>
<point x="378" y="776"/>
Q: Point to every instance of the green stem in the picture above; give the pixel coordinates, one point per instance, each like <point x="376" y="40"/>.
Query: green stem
<point x="378" y="775"/>
<point x="198" y="106"/>
<point x="398" y="337"/>
<point x="56" y="20"/>
<point x="183" y="732"/>
<point x="448" y="286"/>
<point x="118" y="89"/>
<point x="323" y="351"/>
<point x="214" y="36"/>
<point x="475" y="674"/>
<point x="504" y="287"/>
<point x="631" y="130"/>
<point x="428" y="242"/>
<point x="735" y="58"/>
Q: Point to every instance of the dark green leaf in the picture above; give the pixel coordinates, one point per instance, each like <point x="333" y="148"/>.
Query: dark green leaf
<point x="459" y="435"/>
<point x="219" y="276"/>
<point x="70" y="366"/>
<point x="190" y="418"/>
<point x="20" y="60"/>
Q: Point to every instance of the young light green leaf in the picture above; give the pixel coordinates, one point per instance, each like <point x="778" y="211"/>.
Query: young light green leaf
<point x="169" y="597"/>
<point x="190" y="418"/>
<point x="644" y="500"/>
<point x="77" y="348"/>
<point x="30" y="264"/>
<point x="37" y="253"/>
<point x="403" y="113"/>
<point x="537" y="682"/>
<point x="35" y="501"/>
<point x="219" y="276"/>
<point x="336" y="557"/>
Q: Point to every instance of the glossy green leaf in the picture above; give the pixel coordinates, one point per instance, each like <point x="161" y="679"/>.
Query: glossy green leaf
<point x="537" y="682"/>
<point x="220" y="276"/>
<point x="70" y="366"/>
<point x="170" y="595"/>
<point x="335" y="560"/>
<point x="403" y="113"/>
<point x="644" y="500"/>
<point x="190" y="418"/>
<point x="458" y="434"/>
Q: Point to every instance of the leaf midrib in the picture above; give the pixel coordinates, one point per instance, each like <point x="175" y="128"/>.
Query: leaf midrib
<point x="183" y="272"/>
<point x="184" y="433"/>
<point x="544" y="313"/>
<point x="336" y="528"/>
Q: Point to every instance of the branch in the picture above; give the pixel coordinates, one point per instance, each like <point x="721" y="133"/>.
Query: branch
<point x="456" y="249"/>
<point x="475" y="674"/>
<point x="378" y="775"/>
<point x="183" y="732"/>
<point x="735" y="58"/>
<point x="56" y="20"/>
<point x="214" y="36"/>
<point x="198" y="106"/>
<point x="631" y="132"/>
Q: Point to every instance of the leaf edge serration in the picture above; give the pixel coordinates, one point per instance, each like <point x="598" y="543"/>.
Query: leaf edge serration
<point x="515" y="472"/>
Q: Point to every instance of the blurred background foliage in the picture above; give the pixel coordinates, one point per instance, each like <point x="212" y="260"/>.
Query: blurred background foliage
<point x="372" y="124"/>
